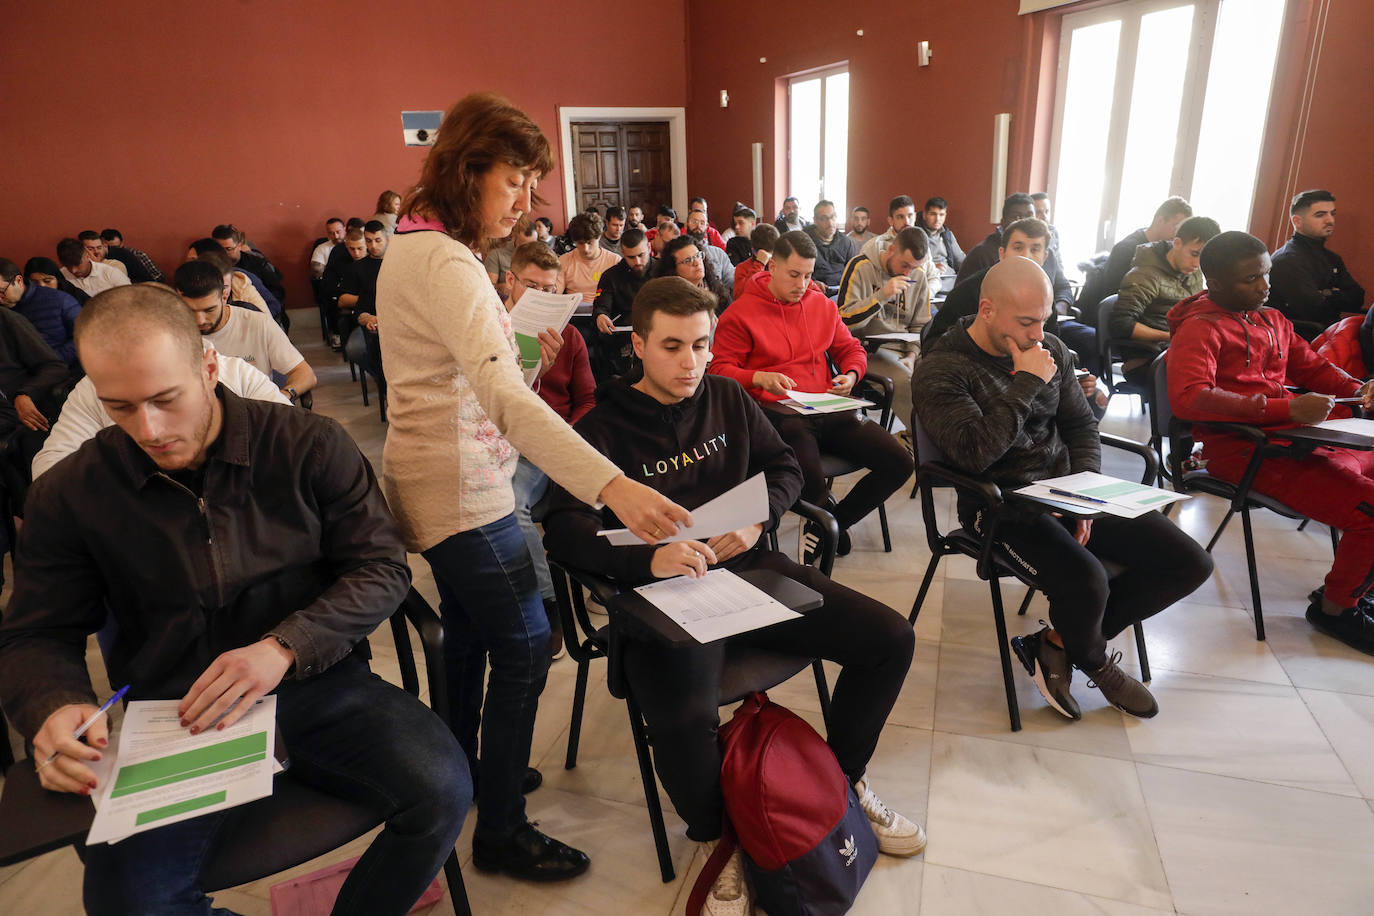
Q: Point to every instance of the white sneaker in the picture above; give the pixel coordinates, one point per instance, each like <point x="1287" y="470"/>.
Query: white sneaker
<point x="897" y="836"/>
<point x="730" y="894"/>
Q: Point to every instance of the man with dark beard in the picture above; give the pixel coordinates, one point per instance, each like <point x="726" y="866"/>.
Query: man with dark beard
<point x="619" y="285"/>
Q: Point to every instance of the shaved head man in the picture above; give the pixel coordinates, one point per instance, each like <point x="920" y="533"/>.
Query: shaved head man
<point x="998" y="396"/>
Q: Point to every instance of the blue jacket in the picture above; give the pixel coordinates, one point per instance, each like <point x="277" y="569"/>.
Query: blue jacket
<point x="52" y="312"/>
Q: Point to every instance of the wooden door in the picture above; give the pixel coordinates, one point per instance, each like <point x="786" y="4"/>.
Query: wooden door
<point x="622" y="164"/>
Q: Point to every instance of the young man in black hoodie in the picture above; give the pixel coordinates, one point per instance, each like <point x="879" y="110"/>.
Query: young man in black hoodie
<point x="998" y="396"/>
<point x="693" y="436"/>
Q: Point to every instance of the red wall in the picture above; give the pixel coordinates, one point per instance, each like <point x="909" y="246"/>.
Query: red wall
<point x="928" y="130"/>
<point x="168" y="119"/>
<point x="913" y="130"/>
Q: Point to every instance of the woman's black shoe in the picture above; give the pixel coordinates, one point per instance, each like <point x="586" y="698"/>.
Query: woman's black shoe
<point x="530" y="856"/>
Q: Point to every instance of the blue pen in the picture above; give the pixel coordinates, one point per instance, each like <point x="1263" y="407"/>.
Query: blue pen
<point x="82" y="729"/>
<point x="1071" y="495"/>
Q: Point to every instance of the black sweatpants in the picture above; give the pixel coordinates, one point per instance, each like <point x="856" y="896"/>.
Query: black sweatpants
<point x="854" y="439"/>
<point x="1162" y="565"/>
<point x="678" y="689"/>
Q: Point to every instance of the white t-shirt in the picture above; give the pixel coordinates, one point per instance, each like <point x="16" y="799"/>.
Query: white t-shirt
<point x="101" y="278"/>
<point x="257" y="340"/>
<point x="83" y="415"/>
<point x="319" y="258"/>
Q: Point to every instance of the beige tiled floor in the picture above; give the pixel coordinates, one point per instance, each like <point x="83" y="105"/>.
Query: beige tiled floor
<point x="1252" y="792"/>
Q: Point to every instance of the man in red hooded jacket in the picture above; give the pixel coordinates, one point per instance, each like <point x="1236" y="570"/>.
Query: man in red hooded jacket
<point x="775" y="338"/>
<point x="1229" y="361"/>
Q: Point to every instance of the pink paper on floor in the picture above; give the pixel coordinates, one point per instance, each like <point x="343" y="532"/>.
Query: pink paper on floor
<point x="314" y="894"/>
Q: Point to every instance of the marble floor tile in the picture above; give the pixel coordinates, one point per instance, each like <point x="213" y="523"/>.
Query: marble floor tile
<point x="1313" y="659"/>
<point x="1210" y="640"/>
<point x="1233" y="846"/>
<point x="952" y="890"/>
<point x="1235" y="728"/>
<point x="970" y="700"/>
<point x="1347" y="721"/>
<point x="1072" y="821"/>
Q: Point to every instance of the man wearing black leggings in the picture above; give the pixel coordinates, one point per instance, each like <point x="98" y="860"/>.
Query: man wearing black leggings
<point x="998" y="396"/>
<point x="692" y="437"/>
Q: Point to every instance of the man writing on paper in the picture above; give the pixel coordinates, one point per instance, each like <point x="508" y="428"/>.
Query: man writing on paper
<point x="692" y="437"/>
<point x="240" y="548"/>
<point x="778" y="336"/>
<point x="998" y="396"/>
<point x="1229" y="361"/>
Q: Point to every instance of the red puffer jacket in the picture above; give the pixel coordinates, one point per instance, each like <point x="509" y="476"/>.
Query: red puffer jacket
<point x="1340" y="344"/>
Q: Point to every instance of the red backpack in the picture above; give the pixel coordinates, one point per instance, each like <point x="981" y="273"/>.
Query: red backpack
<point x="789" y="806"/>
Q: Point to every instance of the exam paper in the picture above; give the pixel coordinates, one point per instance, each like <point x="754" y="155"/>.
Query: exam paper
<point x="901" y="336"/>
<point x="1119" y="497"/>
<point x="808" y="402"/>
<point x="162" y="774"/>
<point x="736" y="508"/>
<point x="717" y="605"/>
<point x="538" y="311"/>
<point x="1349" y="425"/>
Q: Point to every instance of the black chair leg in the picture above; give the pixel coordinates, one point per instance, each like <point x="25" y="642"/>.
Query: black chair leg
<point x="1303" y="525"/>
<point x="925" y="587"/>
<point x="822" y="691"/>
<point x="882" y="522"/>
<point x="1025" y="602"/>
<point x="7" y="752"/>
<point x="457" y="890"/>
<point x="362" y="377"/>
<point x="575" y="726"/>
<point x="1140" y="652"/>
<point x="352" y="371"/>
<point x="1335" y="539"/>
<point x="1254" y="573"/>
<point x="646" y="776"/>
<point x="1220" y="528"/>
<point x="1013" y="708"/>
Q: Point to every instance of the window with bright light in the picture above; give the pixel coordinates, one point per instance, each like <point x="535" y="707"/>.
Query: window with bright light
<point x="1159" y="98"/>
<point x="818" y="140"/>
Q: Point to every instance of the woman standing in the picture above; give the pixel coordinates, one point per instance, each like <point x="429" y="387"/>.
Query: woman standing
<point x="460" y="415"/>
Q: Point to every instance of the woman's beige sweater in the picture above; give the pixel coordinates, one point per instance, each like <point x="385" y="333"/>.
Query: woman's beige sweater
<point x="458" y="408"/>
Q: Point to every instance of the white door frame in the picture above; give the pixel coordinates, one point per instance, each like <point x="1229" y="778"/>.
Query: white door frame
<point x="677" y="146"/>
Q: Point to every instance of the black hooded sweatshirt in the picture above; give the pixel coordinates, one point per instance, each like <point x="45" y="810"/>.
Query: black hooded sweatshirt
<point x="691" y="452"/>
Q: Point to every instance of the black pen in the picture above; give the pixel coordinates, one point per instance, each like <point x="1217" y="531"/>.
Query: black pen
<point x="1071" y="495"/>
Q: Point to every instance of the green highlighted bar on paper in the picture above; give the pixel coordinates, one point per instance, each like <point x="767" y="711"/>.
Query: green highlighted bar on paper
<point x="1110" y="490"/>
<point x="165" y="771"/>
<point x="192" y="804"/>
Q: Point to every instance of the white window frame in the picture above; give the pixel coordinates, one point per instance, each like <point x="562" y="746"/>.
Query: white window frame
<point x="825" y="192"/>
<point x="1205" y="13"/>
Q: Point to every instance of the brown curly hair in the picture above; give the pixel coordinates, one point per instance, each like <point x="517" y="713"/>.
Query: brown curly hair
<point x="479" y="131"/>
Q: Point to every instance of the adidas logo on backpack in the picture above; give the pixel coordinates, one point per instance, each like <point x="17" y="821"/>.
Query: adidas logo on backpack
<point x="849" y="851"/>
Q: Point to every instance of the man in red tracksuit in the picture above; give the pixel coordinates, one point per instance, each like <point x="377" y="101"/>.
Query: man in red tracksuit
<point x="776" y="338"/>
<point x="1229" y="360"/>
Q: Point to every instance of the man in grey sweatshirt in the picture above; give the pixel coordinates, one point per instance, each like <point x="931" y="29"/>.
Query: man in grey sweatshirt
<point x="998" y="397"/>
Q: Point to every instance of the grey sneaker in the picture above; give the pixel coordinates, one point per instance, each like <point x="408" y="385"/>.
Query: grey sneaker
<point x="1121" y="690"/>
<point x="1048" y="665"/>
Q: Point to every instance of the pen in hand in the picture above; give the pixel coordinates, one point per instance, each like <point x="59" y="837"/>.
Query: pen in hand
<point x="84" y="726"/>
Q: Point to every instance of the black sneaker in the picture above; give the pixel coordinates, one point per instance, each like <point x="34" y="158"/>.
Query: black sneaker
<point x="1353" y="626"/>
<point x="1121" y="690"/>
<point x="529" y="855"/>
<point x="845" y="544"/>
<point x="1048" y="665"/>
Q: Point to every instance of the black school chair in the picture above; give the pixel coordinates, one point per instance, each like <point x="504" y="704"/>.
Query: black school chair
<point x="1242" y="496"/>
<point x="295" y="824"/>
<point x="933" y="470"/>
<point x="746" y="670"/>
<point x="1108" y="355"/>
